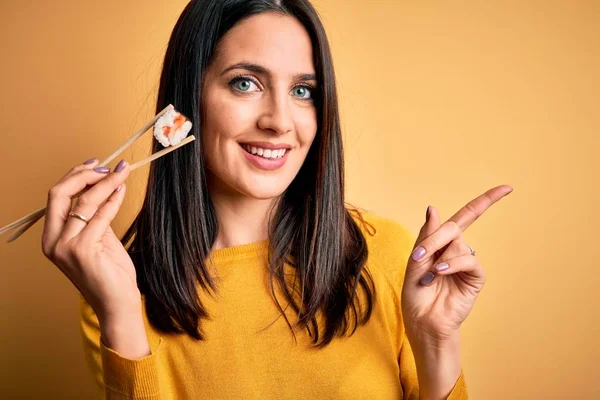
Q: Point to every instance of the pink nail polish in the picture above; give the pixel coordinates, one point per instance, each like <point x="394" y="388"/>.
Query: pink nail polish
<point x="442" y="267"/>
<point x="120" y="166"/>
<point x="428" y="278"/>
<point x="418" y="253"/>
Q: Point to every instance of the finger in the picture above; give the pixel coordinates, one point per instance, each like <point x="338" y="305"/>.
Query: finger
<point x="436" y="241"/>
<point x="476" y="207"/>
<point x="437" y="222"/>
<point x="100" y="224"/>
<point x="59" y="204"/>
<point x="467" y="264"/>
<point x="432" y="223"/>
<point x="455" y="248"/>
<point x="91" y="164"/>
<point x="89" y="203"/>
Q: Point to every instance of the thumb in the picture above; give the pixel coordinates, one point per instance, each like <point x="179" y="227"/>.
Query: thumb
<point x="432" y="224"/>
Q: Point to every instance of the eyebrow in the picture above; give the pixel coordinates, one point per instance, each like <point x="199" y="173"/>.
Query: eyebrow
<point x="259" y="69"/>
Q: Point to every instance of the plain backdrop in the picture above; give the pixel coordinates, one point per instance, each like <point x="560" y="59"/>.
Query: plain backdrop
<point x="440" y="101"/>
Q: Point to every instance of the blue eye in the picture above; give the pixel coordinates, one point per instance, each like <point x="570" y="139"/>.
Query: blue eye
<point x="303" y="92"/>
<point x="243" y="85"/>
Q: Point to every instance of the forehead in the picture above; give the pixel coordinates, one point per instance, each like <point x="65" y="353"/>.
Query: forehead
<point x="278" y="42"/>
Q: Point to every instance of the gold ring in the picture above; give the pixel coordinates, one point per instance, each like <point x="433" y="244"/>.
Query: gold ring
<point x="79" y="216"/>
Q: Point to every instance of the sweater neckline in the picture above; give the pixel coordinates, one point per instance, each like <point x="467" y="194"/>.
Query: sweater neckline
<point x="250" y="250"/>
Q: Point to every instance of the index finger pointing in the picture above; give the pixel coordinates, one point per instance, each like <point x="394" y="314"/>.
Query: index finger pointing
<point x="476" y="207"/>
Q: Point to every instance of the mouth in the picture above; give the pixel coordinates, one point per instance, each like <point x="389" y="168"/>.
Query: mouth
<point x="266" y="150"/>
<point x="266" y="156"/>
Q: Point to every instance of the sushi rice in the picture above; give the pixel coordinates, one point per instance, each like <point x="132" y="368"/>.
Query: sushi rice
<point x="171" y="128"/>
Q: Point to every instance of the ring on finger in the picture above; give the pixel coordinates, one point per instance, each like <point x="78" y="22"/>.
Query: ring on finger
<point x="471" y="250"/>
<point x="79" y="216"/>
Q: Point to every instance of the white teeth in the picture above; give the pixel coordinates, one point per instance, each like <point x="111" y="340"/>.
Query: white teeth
<point x="266" y="153"/>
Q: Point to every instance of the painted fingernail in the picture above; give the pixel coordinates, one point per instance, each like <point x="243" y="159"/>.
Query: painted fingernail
<point x="428" y="278"/>
<point x="120" y="166"/>
<point x="90" y="161"/>
<point x="442" y="267"/>
<point x="102" y="170"/>
<point x="119" y="188"/>
<point x="418" y="253"/>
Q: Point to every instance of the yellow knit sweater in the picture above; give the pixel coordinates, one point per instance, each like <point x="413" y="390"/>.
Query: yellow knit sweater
<point x="250" y="352"/>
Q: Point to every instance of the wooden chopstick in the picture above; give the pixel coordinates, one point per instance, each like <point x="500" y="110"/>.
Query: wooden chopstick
<point x="42" y="211"/>
<point x="135" y="136"/>
<point x="25" y="226"/>
<point x="37" y="214"/>
<point x="161" y="153"/>
<point x="24" y="220"/>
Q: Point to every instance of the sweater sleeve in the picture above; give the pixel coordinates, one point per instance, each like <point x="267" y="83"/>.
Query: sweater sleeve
<point x="116" y="377"/>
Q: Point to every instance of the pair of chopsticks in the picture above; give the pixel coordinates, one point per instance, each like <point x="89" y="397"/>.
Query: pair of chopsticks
<point x="30" y="219"/>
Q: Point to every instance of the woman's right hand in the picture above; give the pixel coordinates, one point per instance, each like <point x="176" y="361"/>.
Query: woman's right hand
<point x="90" y="255"/>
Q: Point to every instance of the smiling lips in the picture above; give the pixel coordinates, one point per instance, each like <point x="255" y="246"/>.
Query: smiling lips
<point x="266" y="156"/>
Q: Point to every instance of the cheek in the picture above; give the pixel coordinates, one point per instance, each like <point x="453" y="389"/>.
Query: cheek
<point x="307" y="128"/>
<point x="225" y="118"/>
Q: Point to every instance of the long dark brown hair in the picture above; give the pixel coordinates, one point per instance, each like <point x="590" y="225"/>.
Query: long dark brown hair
<point x="311" y="230"/>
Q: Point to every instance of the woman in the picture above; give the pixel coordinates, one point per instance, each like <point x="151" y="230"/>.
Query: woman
<point x="245" y="276"/>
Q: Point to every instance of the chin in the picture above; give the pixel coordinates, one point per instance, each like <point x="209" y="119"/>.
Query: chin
<point x="264" y="191"/>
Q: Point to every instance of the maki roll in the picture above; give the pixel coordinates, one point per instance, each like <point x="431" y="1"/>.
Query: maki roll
<point x="171" y="128"/>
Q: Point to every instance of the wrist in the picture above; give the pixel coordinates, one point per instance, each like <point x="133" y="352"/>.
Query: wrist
<point x="438" y="365"/>
<point x="435" y="346"/>
<point x="126" y="334"/>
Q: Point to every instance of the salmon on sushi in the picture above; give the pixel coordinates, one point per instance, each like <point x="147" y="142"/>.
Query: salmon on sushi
<point x="171" y="128"/>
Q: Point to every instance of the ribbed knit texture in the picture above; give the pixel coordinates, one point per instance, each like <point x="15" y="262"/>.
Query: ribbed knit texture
<point x="250" y="352"/>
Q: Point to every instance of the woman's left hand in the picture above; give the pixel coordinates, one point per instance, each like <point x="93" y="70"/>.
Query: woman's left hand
<point x="435" y="302"/>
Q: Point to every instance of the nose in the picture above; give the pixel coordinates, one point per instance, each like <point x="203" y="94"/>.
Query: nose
<point x="277" y="115"/>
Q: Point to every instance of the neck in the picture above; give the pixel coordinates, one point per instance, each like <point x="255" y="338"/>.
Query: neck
<point x="242" y="220"/>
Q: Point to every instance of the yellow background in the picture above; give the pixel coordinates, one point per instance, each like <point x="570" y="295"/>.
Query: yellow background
<point x="440" y="100"/>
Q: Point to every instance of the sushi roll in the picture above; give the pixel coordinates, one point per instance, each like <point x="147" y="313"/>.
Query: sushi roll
<point x="171" y="128"/>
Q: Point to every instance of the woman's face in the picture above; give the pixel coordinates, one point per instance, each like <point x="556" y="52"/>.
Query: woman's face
<point x="259" y="115"/>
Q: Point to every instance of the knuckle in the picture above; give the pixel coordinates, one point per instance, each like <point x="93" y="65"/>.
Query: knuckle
<point x="59" y="254"/>
<point x="101" y="216"/>
<point x="82" y="174"/>
<point x="471" y="208"/>
<point x="47" y="250"/>
<point x="454" y="228"/>
<point x="430" y="246"/>
<point x="84" y="200"/>
<point x="64" y="250"/>
<point x="430" y="243"/>
<point x="54" y="192"/>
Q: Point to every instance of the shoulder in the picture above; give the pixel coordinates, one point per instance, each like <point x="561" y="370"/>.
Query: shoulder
<point x="387" y="239"/>
<point x="389" y="245"/>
